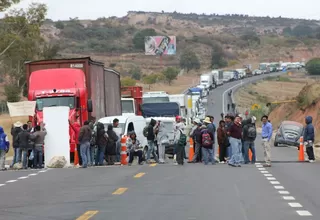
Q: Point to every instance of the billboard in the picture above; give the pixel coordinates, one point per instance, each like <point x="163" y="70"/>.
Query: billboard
<point x="160" y="45"/>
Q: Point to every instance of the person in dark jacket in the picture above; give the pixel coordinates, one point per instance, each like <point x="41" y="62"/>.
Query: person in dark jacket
<point x="4" y="148"/>
<point x="23" y="141"/>
<point x="197" y="142"/>
<point x="249" y="132"/>
<point x="102" y="141"/>
<point x="235" y="135"/>
<point x="15" y="130"/>
<point x="308" y="138"/>
<point x="207" y="150"/>
<point x="111" y="145"/>
<point x="151" y="139"/>
<point x="84" y="140"/>
<point x="222" y="141"/>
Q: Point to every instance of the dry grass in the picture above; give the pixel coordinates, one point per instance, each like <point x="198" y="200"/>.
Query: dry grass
<point x="6" y="122"/>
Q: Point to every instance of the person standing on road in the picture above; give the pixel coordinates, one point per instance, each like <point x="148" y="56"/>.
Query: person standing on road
<point x="223" y="141"/>
<point x="249" y="136"/>
<point x="228" y="122"/>
<point x="151" y="138"/>
<point x="208" y="121"/>
<point x="102" y="141"/>
<point x="266" y="138"/>
<point x="196" y="136"/>
<point x="75" y="126"/>
<point x="115" y="124"/>
<point x="23" y="141"/>
<point x="162" y="141"/>
<point x="113" y="138"/>
<point x="15" y="130"/>
<point x="191" y="133"/>
<point x="4" y="148"/>
<point x="207" y="145"/>
<point x="84" y="140"/>
<point x="38" y="137"/>
<point x="180" y="141"/>
<point x="235" y="134"/>
<point x="308" y="138"/>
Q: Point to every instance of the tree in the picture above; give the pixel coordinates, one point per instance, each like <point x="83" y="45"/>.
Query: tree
<point x="287" y="31"/>
<point x="170" y="74"/>
<point x="251" y="38"/>
<point x="139" y="37"/>
<point x="189" y="60"/>
<point x="302" y="31"/>
<point x="150" y="79"/>
<point x="313" y="66"/>
<point x="20" y="41"/>
<point x="217" y="57"/>
<point x="127" y="81"/>
<point x="135" y="73"/>
<point x="59" y="25"/>
<point x="5" y="4"/>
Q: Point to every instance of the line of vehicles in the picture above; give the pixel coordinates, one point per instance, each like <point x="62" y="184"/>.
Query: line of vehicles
<point x="93" y="92"/>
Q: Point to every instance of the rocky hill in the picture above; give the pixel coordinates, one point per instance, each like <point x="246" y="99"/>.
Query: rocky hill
<point x="243" y="38"/>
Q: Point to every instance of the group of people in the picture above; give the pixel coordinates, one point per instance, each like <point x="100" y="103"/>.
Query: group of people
<point x="236" y="136"/>
<point x="27" y="143"/>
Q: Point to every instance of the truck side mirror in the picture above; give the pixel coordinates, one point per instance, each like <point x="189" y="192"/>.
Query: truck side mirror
<point x="90" y="106"/>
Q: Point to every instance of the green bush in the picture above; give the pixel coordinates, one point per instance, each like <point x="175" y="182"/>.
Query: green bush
<point x="313" y="66"/>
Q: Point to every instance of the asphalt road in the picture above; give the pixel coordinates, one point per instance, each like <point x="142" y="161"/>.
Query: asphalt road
<point x="189" y="192"/>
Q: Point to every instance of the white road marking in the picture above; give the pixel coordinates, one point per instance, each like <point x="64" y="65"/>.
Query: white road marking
<point x="267" y="174"/>
<point x="295" y="205"/>
<point x="278" y="187"/>
<point x="33" y="174"/>
<point x="288" y="198"/>
<point x="284" y="192"/>
<point x="2" y="184"/>
<point x="258" y="163"/>
<point x="261" y="168"/>
<point x="271" y="178"/>
<point x="275" y="182"/>
<point x="23" y="177"/>
<point x="264" y="171"/>
<point x="304" y="213"/>
<point x="11" y="181"/>
<point x="43" y="171"/>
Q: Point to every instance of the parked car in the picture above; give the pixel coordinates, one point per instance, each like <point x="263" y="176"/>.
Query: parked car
<point x="257" y="72"/>
<point x="289" y="133"/>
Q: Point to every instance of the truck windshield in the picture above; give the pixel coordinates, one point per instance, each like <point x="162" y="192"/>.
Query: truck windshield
<point x="127" y="106"/>
<point x="156" y="99"/>
<point x="54" y="101"/>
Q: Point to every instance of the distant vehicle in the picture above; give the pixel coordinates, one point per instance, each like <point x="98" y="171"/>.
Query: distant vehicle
<point x="218" y="77"/>
<point x="208" y="81"/>
<point x="228" y="76"/>
<point x="289" y="133"/>
<point x="242" y="73"/>
<point x="257" y="72"/>
<point x="155" y="97"/>
<point x="274" y="67"/>
<point x="264" y="67"/>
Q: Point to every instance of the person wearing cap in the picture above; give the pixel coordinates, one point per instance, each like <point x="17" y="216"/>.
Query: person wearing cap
<point x="197" y="142"/>
<point x="249" y="136"/>
<point x="17" y="153"/>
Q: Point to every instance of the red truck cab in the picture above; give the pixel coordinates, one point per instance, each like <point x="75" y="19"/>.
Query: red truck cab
<point x="131" y="100"/>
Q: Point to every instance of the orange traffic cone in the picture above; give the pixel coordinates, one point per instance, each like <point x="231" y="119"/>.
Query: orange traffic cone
<point x="250" y="155"/>
<point x="191" y="150"/>
<point x="301" y="150"/>
<point x="124" y="151"/>
<point x="76" y="156"/>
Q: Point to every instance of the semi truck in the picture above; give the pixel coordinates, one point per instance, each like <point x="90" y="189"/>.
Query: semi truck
<point x="90" y="90"/>
<point x="218" y="77"/>
<point x="155" y="97"/>
<point x="182" y="100"/>
<point x="131" y="100"/>
<point x="208" y="81"/>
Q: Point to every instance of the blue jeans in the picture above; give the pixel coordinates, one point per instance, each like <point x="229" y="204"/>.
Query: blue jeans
<point x="236" y="146"/>
<point x="25" y="158"/>
<point x="207" y="156"/>
<point x="152" y="151"/>
<point x="16" y="156"/>
<point x="249" y="145"/>
<point x="38" y="154"/>
<point x="92" y="155"/>
<point x="85" y="153"/>
<point x="100" y="155"/>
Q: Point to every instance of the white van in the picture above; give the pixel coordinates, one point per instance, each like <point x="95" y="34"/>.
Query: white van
<point x="126" y="125"/>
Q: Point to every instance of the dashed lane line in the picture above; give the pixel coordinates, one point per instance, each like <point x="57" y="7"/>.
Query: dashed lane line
<point x="25" y="177"/>
<point x="119" y="191"/>
<point x="139" y="175"/>
<point x="153" y="165"/>
<point x="281" y="191"/>
<point x="87" y="215"/>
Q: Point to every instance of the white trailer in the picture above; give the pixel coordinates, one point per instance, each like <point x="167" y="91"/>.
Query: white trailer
<point x="207" y="80"/>
<point x="182" y="100"/>
<point x="218" y="77"/>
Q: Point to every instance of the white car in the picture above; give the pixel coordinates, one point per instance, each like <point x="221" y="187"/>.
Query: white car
<point x="257" y="72"/>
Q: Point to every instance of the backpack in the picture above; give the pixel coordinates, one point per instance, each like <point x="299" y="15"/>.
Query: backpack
<point x="206" y="139"/>
<point x="252" y="132"/>
<point x="145" y="131"/>
<point x="183" y="139"/>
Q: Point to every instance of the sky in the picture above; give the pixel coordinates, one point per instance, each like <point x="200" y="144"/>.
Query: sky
<point x="93" y="9"/>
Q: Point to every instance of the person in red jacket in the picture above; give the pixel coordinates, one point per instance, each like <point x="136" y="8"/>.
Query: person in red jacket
<point x="75" y="126"/>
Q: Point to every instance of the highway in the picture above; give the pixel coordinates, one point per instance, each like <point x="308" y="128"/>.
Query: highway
<point x="286" y="191"/>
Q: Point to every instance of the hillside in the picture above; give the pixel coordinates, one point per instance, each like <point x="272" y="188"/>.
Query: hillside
<point x="249" y="40"/>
